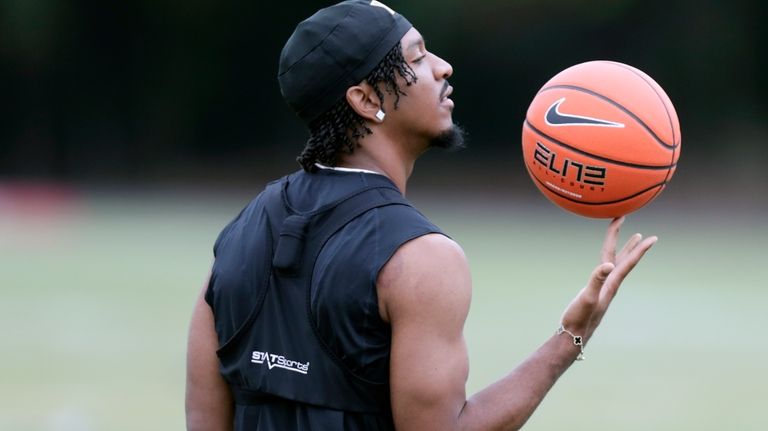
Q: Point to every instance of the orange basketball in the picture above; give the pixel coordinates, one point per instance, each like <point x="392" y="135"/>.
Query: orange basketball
<point x="601" y="139"/>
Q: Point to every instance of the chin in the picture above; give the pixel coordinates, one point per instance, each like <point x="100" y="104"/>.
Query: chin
<point x="451" y="139"/>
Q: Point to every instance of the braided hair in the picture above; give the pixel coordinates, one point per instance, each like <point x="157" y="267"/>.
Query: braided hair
<point x="340" y="128"/>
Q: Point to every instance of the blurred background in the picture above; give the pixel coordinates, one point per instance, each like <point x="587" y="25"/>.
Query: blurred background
<point x="132" y="132"/>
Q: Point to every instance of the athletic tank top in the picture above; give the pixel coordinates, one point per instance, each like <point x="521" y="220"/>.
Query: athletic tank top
<point x="293" y="291"/>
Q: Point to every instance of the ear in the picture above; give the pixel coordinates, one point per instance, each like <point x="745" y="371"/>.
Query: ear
<point x="364" y="101"/>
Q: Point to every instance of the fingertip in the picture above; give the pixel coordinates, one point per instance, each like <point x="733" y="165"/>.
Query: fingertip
<point x="649" y="242"/>
<point x="598" y="277"/>
<point x="607" y="267"/>
<point x="616" y="223"/>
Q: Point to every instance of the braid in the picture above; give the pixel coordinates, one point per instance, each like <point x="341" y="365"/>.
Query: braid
<point x="340" y="128"/>
<point x="329" y="135"/>
<point x="392" y="63"/>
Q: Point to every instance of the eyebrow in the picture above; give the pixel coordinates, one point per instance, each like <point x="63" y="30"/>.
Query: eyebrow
<point x="415" y="44"/>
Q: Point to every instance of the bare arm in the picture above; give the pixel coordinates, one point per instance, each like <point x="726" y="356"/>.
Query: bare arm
<point x="424" y="292"/>
<point x="209" y="403"/>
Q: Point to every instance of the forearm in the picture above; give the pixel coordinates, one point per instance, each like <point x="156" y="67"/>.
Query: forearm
<point x="508" y="403"/>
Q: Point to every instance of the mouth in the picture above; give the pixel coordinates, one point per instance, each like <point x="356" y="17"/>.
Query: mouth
<point x="446" y="91"/>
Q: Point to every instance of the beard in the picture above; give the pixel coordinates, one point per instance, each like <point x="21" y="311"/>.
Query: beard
<point x="451" y="139"/>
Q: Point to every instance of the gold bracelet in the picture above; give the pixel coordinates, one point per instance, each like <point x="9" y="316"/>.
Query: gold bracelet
<point x="577" y="341"/>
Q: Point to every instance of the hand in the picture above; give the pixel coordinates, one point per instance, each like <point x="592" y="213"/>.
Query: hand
<point x="587" y="309"/>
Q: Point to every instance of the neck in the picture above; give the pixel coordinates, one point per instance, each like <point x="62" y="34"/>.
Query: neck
<point x="387" y="156"/>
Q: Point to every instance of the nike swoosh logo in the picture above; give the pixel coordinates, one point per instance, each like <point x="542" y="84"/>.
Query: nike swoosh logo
<point x="556" y="118"/>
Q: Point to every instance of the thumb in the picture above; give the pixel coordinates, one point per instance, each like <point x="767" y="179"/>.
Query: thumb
<point x="597" y="279"/>
<point x="582" y="309"/>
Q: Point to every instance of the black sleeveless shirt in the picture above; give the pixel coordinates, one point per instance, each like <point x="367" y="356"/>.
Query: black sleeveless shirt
<point x="314" y="357"/>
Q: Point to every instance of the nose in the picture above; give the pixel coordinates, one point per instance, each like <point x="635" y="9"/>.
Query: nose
<point x="443" y="69"/>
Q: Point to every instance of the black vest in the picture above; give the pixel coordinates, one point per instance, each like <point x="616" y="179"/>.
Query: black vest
<point x="271" y="347"/>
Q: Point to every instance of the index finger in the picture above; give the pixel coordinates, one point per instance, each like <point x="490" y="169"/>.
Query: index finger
<point x="616" y="277"/>
<point x="608" y="252"/>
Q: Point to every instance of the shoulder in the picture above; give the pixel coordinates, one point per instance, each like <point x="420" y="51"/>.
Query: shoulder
<point x="428" y="270"/>
<point x="433" y="250"/>
<point x="399" y="225"/>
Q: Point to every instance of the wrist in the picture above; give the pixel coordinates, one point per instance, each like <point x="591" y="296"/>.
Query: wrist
<point x="574" y="342"/>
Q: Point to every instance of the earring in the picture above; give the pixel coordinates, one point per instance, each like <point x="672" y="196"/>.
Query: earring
<point x="380" y="115"/>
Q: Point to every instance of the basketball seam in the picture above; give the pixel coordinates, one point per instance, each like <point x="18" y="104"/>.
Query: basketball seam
<point x="591" y="203"/>
<point x="667" y="176"/>
<point x="616" y="104"/>
<point x="594" y="156"/>
<point x="669" y="117"/>
<point x="663" y="103"/>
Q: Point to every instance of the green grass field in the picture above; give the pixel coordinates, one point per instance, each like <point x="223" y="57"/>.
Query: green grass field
<point x="95" y="307"/>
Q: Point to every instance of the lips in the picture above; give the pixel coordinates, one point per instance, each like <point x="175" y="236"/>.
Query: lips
<point x="446" y="91"/>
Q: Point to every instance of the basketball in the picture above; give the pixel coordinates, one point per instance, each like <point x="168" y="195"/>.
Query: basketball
<point x="601" y="139"/>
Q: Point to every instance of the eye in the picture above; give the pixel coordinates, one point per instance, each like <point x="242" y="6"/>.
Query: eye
<point x="418" y="59"/>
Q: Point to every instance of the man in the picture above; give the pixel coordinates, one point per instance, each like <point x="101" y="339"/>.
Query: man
<point x="332" y="303"/>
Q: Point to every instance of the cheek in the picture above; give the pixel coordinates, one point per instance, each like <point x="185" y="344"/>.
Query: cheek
<point x="421" y="98"/>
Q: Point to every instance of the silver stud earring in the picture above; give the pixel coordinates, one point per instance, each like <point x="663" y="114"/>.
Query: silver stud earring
<point x="380" y="115"/>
